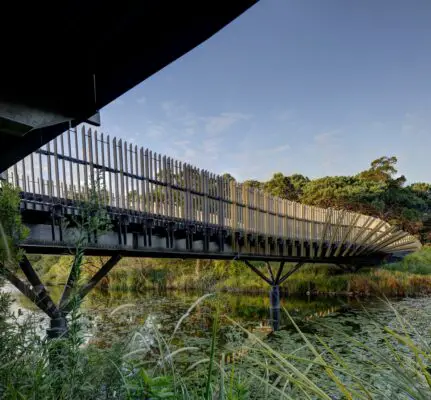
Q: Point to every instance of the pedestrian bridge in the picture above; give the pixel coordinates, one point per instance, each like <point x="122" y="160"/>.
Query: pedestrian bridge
<point x="161" y="207"/>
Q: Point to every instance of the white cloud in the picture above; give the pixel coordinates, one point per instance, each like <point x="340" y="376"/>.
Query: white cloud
<point x="192" y="123"/>
<point x="285" y="115"/>
<point x="217" y="124"/>
<point x="155" y="131"/>
<point x="325" y="138"/>
<point x="141" y="100"/>
<point x="198" y="139"/>
<point x="174" y="110"/>
<point x="180" y="115"/>
<point x="211" y="148"/>
<point x="189" y="131"/>
<point x="181" y="142"/>
<point x="280" y="149"/>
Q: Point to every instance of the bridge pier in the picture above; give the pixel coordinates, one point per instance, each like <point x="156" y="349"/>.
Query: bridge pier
<point x="274" y="310"/>
<point x="36" y="292"/>
<point x="274" y="281"/>
<point x="57" y="327"/>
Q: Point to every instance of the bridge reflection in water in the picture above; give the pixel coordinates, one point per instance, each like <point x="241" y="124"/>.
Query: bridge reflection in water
<point x="161" y="207"/>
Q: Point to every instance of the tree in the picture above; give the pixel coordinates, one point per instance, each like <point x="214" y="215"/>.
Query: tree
<point x="383" y="170"/>
<point x="377" y="192"/>
<point x="422" y="190"/>
<point x="286" y="187"/>
<point x="279" y="186"/>
<point x="252" y="183"/>
<point x="330" y="191"/>
<point x="228" y="177"/>
<point x="297" y="182"/>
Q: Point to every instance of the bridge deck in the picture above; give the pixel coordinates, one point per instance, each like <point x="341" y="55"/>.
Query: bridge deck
<point x="159" y="205"/>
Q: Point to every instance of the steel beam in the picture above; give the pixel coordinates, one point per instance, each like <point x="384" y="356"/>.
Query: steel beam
<point x="29" y="292"/>
<point x="287" y="274"/>
<point x="100" y="274"/>
<point x="256" y="271"/>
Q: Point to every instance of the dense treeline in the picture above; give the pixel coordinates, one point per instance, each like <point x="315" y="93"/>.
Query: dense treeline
<point x="377" y="191"/>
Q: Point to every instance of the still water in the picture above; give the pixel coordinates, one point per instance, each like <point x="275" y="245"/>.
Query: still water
<point x="108" y="316"/>
<point x="111" y="317"/>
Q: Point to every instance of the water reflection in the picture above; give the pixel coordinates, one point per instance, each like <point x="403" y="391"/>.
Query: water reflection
<point x="113" y="315"/>
<point x="254" y="312"/>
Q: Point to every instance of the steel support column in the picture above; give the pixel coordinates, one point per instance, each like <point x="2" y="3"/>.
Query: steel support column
<point x="274" y="282"/>
<point x="274" y="310"/>
<point x="38" y="295"/>
<point x="57" y="327"/>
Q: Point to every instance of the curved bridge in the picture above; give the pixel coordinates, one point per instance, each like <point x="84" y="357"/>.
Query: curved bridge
<point x="161" y="207"/>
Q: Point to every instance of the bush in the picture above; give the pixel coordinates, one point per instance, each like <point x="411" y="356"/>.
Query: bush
<point x="418" y="262"/>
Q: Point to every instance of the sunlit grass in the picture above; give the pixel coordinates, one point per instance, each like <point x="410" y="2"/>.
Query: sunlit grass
<point x="411" y="276"/>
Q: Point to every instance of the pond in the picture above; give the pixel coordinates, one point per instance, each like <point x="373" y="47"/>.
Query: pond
<point x="109" y="317"/>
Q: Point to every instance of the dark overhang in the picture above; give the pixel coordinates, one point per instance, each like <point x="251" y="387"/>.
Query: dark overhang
<point x="62" y="62"/>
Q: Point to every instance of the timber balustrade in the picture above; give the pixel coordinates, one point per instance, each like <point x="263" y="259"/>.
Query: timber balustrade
<point x="140" y="181"/>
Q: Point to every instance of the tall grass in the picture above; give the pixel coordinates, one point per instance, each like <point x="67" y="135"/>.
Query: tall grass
<point x="410" y="276"/>
<point x="155" y="365"/>
<point x="33" y="368"/>
<point x="397" y="368"/>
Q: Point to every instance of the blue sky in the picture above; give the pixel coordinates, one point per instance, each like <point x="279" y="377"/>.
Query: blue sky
<point x="314" y="87"/>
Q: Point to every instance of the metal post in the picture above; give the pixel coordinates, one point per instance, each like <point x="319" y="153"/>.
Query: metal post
<point x="57" y="327"/>
<point x="111" y="191"/>
<point x="33" y="180"/>
<point x="63" y="162"/>
<point x="274" y="310"/>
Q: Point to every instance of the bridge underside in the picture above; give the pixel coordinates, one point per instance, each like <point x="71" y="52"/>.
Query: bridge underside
<point x="141" y="235"/>
<point x="39" y="247"/>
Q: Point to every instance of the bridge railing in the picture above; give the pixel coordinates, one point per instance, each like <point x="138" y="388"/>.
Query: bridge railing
<point x="138" y="180"/>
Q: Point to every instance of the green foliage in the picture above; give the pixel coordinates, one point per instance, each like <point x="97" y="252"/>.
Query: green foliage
<point x="343" y="192"/>
<point x="12" y="229"/>
<point x="418" y="262"/>
<point x="143" y="386"/>
<point x="253" y="184"/>
<point x="382" y="170"/>
<point x="286" y="187"/>
<point x="33" y="368"/>
<point x="93" y="219"/>
<point x="228" y="177"/>
<point x="376" y="191"/>
<point x="138" y="275"/>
